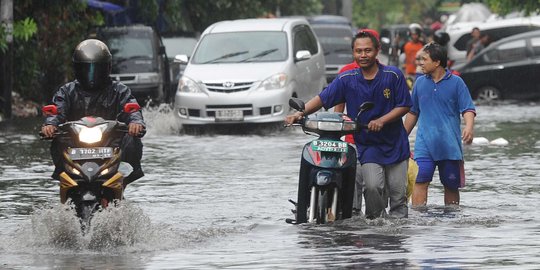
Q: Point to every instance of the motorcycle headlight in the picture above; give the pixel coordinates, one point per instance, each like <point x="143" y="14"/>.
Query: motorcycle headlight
<point x="188" y="85"/>
<point x="91" y="135"/>
<point x="276" y="81"/>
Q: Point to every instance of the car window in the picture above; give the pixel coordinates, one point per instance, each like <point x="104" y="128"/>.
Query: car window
<point x="304" y="39"/>
<point x="237" y="47"/>
<point x="124" y="47"/>
<point x="333" y="39"/>
<point x="535" y="44"/>
<point x="495" y="34"/>
<point x="509" y="51"/>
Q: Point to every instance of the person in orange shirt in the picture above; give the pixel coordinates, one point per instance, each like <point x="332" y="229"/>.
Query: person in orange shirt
<point x="411" y="48"/>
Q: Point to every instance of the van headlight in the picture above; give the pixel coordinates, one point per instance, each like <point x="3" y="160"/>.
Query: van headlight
<point x="187" y="85"/>
<point x="149" y="78"/>
<point x="276" y="81"/>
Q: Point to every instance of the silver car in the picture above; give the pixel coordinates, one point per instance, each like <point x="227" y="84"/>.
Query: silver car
<point x="245" y="71"/>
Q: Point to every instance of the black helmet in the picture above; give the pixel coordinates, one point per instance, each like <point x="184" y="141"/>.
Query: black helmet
<point x="92" y="63"/>
<point x="441" y="37"/>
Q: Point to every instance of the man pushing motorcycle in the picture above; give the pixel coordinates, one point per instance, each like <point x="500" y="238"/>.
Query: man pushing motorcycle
<point x="94" y="93"/>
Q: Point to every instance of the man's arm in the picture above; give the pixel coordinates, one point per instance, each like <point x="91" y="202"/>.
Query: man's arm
<point x="467" y="134"/>
<point x="393" y="115"/>
<point x="311" y="106"/>
<point x="410" y="122"/>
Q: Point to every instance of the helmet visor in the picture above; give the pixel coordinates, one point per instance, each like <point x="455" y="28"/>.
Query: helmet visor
<point x="92" y="76"/>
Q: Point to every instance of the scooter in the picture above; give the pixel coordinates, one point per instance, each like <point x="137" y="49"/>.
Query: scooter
<point x="328" y="166"/>
<point x="93" y="173"/>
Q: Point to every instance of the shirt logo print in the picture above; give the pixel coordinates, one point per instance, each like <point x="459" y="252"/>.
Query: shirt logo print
<point x="386" y="93"/>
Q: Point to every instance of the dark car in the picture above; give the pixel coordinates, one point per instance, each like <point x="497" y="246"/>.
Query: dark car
<point x="139" y="60"/>
<point x="336" y="42"/>
<point x="178" y="45"/>
<point x="506" y="69"/>
<point x="331" y="19"/>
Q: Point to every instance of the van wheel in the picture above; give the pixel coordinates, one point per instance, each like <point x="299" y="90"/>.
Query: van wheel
<point x="488" y="93"/>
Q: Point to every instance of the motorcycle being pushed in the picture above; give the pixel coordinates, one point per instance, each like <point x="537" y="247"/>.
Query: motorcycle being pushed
<point x="328" y="166"/>
<point x="93" y="172"/>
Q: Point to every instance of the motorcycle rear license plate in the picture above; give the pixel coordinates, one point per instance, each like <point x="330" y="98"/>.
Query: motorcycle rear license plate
<point x="90" y="153"/>
<point x="229" y="115"/>
<point x="329" y="146"/>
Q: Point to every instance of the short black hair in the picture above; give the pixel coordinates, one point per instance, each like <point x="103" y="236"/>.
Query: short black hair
<point x="366" y="34"/>
<point x="436" y="52"/>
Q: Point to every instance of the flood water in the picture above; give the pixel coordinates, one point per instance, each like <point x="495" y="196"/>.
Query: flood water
<point x="214" y="201"/>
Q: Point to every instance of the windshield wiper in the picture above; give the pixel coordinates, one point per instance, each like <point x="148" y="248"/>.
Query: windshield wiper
<point x="225" y="56"/>
<point x="259" y="55"/>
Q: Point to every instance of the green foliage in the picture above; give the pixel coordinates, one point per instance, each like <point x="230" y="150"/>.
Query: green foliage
<point x="377" y="13"/>
<point x="25" y="29"/>
<point x="503" y="7"/>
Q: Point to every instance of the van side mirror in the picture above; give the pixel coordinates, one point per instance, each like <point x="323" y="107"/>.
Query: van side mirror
<point x="131" y="107"/>
<point x="49" y="110"/>
<point x="161" y="50"/>
<point x="302" y="55"/>
<point x="181" y="58"/>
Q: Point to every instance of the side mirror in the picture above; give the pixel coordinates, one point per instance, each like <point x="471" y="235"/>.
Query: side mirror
<point x="302" y="55"/>
<point x="161" y="50"/>
<point x="297" y="104"/>
<point x="49" y="110"/>
<point x="181" y="58"/>
<point x="132" y="107"/>
<point x="366" y="106"/>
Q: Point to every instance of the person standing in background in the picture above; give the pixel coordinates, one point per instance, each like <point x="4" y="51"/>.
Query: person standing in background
<point x="439" y="100"/>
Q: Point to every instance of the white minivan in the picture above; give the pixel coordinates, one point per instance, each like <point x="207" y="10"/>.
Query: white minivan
<point x="245" y="71"/>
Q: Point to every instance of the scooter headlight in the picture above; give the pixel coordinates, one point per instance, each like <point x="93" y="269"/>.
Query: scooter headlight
<point x="347" y="126"/>
<point x="91" y="135"/>
<point x="330" y="126"/>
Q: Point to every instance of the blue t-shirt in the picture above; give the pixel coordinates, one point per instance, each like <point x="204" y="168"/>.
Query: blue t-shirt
<point x="439" y="107"/>
<point x="387" y="90"/>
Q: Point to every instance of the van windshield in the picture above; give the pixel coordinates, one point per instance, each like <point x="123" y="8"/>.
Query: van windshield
<point x="132" y="51"/>
<point x="241" y="47"/>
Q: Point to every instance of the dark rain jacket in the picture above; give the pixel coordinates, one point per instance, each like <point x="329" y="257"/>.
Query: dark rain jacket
<point x="74" y="103"/>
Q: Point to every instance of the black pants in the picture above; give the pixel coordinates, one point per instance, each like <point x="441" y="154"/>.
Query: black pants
<point x="131" y="153"/>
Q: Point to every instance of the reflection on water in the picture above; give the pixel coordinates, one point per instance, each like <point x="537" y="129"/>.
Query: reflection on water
<point x="218" y="199"/>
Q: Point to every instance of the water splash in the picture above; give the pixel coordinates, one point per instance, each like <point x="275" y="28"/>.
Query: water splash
<point x="120" y="229"/>
<point x="160" y="120"/>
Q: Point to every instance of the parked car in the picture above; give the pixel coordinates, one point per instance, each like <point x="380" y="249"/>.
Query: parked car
<point x="336" y="42"/>
<point x="460" y="34"/>
<point x="139" y="60"/>
<point x="331" y="19"/>
<point x="245" y="71"/>
<point x="507" y="69"/>
<point x="176" y="45"/>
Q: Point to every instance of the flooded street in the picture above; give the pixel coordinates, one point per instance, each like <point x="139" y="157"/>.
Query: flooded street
<point x="216" y="201"/>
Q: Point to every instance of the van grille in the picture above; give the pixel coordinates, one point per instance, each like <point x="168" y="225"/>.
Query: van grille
<point x="228" y="87"/>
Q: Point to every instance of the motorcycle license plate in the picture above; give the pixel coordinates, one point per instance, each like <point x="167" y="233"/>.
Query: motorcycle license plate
<point x="90" y="153"/>
<point x="229" y="115"/>
<point x="329" y="146"/>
